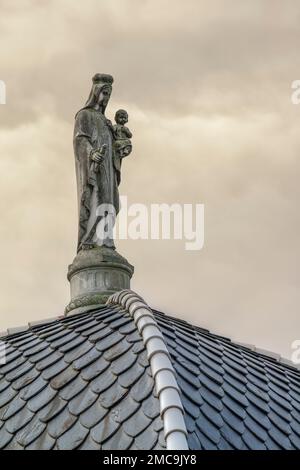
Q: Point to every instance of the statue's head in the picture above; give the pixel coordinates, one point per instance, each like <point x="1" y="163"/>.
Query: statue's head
<point x="100" y="92"/>
<point x="121" y="117"/>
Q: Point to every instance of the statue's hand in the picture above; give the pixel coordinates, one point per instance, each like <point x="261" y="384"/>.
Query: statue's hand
<point x="97" y="156"/>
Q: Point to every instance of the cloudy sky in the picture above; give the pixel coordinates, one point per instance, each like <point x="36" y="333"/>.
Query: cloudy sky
<point x="207" y="84"/>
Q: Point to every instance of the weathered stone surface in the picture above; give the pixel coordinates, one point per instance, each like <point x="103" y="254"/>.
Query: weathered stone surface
<point x="98" y="270"/>
<point x="99" y="149"/>
<point x="95" y="274"/>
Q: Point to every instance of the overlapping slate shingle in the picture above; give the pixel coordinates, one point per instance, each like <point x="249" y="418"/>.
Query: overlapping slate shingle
<point x="234" y="398"/>
<point x="81" y="382"/>
<point x="84" y="382"/>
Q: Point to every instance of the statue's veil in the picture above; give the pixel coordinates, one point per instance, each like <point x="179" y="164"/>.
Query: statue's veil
<point x="100" y="81"/>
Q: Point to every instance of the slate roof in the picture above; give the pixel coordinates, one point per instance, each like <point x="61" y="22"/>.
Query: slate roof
<point x="81" y="382"/>
<point x="234" y="398"/>
<point x="84" y="382"/>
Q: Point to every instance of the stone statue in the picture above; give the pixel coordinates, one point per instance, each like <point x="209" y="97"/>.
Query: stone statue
<point x="99" y="149"/>
<point x="98" y="269"/>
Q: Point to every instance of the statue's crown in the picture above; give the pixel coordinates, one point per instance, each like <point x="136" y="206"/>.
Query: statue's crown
<point x="103" y="78"/>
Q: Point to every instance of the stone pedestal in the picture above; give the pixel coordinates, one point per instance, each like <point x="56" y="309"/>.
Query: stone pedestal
<point x="94" y="275"/>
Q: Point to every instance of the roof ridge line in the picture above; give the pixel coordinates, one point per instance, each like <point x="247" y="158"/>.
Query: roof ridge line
<point x="31" y="324"/>
<point x="34" y="323"/>
<point x="248" y="346"/>
<point x="167" y="388"/>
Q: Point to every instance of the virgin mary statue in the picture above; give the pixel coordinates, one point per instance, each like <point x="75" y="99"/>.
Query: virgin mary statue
<point x="96" y="176"/>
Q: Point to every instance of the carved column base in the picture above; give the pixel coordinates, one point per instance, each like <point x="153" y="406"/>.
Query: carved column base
<point x="94" y="275"/>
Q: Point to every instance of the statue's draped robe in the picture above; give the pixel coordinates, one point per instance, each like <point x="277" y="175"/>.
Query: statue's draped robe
<point x="92" y="130"/>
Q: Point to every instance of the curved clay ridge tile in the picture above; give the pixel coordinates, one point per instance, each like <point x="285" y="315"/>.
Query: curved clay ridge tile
<point x="167" y="389"/>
